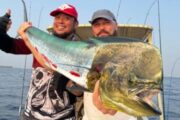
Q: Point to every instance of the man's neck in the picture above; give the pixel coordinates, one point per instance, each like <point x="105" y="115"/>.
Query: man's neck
<point x="66" y="36"/>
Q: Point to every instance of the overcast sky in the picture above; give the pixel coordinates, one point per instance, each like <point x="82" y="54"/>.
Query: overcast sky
<point x="131" y="11"/>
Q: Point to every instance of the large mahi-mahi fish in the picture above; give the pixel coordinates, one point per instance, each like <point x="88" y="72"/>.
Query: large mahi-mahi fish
<point x="128" y="69"/>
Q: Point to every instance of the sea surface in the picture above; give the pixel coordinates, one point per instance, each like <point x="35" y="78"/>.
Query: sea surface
<point x="11" y="82"/>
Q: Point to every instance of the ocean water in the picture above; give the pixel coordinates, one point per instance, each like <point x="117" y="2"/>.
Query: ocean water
<point x="11" y="90"/>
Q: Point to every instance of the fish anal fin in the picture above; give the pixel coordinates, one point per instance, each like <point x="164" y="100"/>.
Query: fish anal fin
<point x="74" y="73"/>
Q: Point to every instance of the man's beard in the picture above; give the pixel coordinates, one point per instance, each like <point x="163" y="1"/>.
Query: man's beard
<point x="109" y="34"/>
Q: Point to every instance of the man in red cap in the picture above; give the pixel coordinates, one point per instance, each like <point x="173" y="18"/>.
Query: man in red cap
<point x="65" y="21"/>
<point x="48" y="97"/>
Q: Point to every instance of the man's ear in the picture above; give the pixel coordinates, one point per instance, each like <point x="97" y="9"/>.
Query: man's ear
<point x="117" y="26"/>
<point x="76" y="24"/>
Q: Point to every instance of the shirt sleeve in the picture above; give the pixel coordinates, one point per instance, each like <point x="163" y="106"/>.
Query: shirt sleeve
<point x="12" y="45"/>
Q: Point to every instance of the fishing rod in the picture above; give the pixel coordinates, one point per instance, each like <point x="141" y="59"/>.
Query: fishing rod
<point x="29" y="16"/>
<point x="25" y="62"/>
<point x="147" y="14"/>
<point x="117" y="15"/>
<point x="129" y="19"/>
<point x="161" y="96"/>
<point x="40" y="16"/>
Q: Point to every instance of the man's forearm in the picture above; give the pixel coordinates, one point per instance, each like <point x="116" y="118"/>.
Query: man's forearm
<point x="6" y="42"/>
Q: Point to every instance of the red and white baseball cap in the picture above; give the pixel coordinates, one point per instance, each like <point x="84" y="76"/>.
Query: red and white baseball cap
<point x="66" y="9"/>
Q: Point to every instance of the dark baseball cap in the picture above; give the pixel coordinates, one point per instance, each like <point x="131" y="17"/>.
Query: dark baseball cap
<point x="106" y="14"/>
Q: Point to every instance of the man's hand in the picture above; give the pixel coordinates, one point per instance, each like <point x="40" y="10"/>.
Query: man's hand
<point x="5" y="21"/>
<point x="24" y="26"/>
<point x="75" y="92"/>
<point x="98" y="103"/>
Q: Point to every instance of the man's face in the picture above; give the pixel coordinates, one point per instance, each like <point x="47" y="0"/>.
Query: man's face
<point x="103" y="28"/>
<point x="64" y="25"/>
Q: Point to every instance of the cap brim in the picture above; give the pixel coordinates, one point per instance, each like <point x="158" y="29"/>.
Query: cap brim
<point x="103" y="17"/>
<point x="90" y="22"/>
<point x="55" y="12"/>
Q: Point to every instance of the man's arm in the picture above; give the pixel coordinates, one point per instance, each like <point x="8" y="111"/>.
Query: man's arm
<point x="98" y="103"/>
<point x="7" y="43"/>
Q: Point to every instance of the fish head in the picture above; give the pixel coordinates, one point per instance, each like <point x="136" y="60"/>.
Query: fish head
<point x="129" y="77"/>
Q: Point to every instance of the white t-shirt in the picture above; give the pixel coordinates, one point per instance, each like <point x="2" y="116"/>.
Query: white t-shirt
<point x="92" y="113"/>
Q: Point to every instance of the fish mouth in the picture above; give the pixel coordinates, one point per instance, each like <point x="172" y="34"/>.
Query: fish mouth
<point x="134" y="105"/>
<point x="147" y="98"/>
